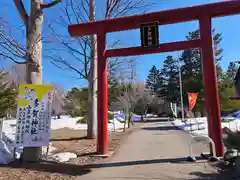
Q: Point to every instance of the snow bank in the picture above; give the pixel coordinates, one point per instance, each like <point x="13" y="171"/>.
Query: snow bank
<point x="191" y="124"/>
<point x="68" y="122"/>
<point x="9" y="129"/>
<point x="199" y="126"/>
<point x="8" y="136"/>
<point x="63" y="157"/>
<point x="5" y="154"/>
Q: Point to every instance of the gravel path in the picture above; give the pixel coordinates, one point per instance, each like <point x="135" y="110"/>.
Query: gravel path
<point x="156" y="152"/>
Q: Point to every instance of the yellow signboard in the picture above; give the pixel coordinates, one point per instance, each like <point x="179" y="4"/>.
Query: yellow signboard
<point x="34" y="115"/>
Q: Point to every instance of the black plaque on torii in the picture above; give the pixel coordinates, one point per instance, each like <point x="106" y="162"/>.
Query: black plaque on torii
<point x="149" y="35"/>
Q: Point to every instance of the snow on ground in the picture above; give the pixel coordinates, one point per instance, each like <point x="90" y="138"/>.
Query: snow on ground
<point x="68" y="122"/>
<point x="199" y="126"/>
<point x="6" y="155"/>
<point x="62" y="157"/>
<point x="9" y="126"/>
<point x="9" y="129"/>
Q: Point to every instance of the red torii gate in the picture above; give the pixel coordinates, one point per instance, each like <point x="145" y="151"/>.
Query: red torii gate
<point x="202" y="13"/>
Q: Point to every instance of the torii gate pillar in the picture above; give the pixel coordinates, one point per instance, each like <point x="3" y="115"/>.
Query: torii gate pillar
<point x="203" y="14"/>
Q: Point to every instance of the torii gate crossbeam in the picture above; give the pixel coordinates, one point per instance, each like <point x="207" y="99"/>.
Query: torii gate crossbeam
<point x="203" y="14"/>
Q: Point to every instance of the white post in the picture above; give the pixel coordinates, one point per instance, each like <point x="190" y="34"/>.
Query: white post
<point x="1" y="129"/>
<point x="180" y="84"/>
<point x="173" y="107"/>
<point x="114" y="127"/>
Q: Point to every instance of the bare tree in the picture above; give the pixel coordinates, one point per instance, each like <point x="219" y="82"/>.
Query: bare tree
<point x="146" y="99"/>
<point x="81" y="51"/>
<point x="17" y="73"/>
<point x="32" y="54"/>
<point x="58" y="100"/>
<point x="10" y="48"/>
<point x="119" y="8"/>
<point x="133" y="96"/>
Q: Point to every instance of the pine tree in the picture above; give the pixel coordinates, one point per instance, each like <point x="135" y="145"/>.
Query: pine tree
<point x="7" y="96"/>
<point x="113" y="89"/>
<point x="169" y="80"/>
<point x="231" y="72"/>
<point x="226" y="80"/>
<point x="227" y="89"/>
<point x="192" y="72"/>
<point x="153" y="80"/>
<point x="76" y="102"/>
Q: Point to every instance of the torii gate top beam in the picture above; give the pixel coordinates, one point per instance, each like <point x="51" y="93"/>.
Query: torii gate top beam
<point x="213" y="10"/>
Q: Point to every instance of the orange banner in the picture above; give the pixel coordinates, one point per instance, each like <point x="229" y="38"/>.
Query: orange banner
<point x="192" y="100"/>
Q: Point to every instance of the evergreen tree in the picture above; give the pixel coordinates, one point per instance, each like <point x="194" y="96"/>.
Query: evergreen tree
<point x="226" y="80"/>
<point x="113" y="89"/>
<point x="227" y="89"/>
<point x="166" y="82"/>
<point x="169" y="80"/>
<point x="77" y="102"/>
<point x="192" y="72"/>
<point x="7" y="96"/>
<point x="153" y="80"/>
<point x="231" y="72"/>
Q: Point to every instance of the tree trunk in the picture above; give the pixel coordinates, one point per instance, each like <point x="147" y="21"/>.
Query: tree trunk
<point x="130" y="119"/>
<point x="34" y="62"/>
<point x="92" y="110"/>
<point x="92" y="81"/>
<point x="125" y="119"/>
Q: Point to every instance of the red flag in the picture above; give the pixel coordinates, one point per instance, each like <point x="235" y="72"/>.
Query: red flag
<point x="192" y="100"/>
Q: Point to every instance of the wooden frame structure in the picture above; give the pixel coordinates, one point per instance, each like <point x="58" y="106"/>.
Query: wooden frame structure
<point x="203" y="14"/>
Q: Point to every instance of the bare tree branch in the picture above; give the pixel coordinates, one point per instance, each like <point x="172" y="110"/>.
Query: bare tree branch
<point x="17" y="73"/>
<point x="55" y="60"/>
<point x="9" y="47"/>
<point x="12" y="59"/>
<point x="79" y="49"/>
<point x="51" y="4"/>
<point x="13" y="50"/>
<point x="116" y="8"/>
<point x="22" y="11"/>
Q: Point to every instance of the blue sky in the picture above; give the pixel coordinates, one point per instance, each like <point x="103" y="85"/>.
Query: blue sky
<point x="228" y="26"/>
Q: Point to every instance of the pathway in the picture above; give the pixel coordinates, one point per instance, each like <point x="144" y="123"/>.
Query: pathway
<point x="156" y="152"/>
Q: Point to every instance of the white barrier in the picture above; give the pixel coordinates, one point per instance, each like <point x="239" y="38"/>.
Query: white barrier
<point x="199" y="138"/>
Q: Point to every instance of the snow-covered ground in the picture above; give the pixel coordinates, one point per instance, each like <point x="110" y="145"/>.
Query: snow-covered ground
<point x="9" y="128"/>
<point x="196" y="126"/>
<point x="199" y="126"/>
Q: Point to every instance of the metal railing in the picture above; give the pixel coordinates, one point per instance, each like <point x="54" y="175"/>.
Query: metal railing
<point x="202" y="138"/>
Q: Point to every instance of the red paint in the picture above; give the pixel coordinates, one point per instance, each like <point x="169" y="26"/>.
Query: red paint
<point x="211" y="85"/>
<point x="207" y="11"/>
<point x="172" y="16"/>
<point x="167" y="47"/>
<point x="102" y="139"/>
